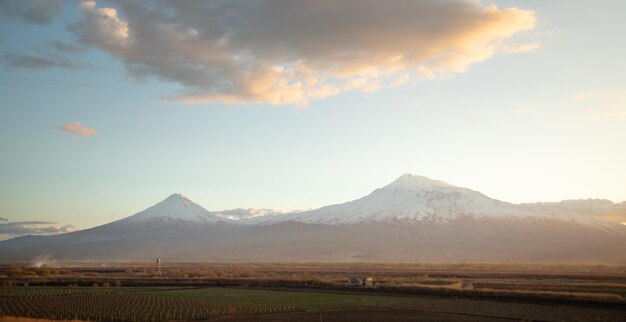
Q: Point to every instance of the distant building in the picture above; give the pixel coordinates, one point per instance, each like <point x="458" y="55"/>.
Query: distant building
<point x="361" y="281"/>
<point x="158" y="268"/>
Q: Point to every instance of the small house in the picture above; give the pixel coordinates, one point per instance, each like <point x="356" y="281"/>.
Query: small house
<point x="361" y="281"/>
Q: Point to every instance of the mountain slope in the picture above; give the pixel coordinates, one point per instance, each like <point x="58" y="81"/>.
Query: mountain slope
<point x="175" y="208"/>
<point x="417" y="199"/>
<point x="174" y="220"/>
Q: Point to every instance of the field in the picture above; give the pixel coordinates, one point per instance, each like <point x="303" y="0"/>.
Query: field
<point x="285" y="292"/>
<point x="291" y="300"/>
<point x="96" y="305"/>
<point x="158" y="303"/>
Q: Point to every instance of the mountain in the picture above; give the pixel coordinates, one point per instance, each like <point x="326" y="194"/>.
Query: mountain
<point x="174" y="209"/>
<point x="602" y="209"/>
<point x="412" y="219"/>
<point x="167" y="227"/>
<point x="176" y="212"/>
<point x="418" y="200"/>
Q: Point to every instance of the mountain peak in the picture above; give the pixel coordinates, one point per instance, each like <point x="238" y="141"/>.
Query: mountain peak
<point x="179" y="199"/>
<point x="176" y="207"/>
<point x="176" y="196"/>
<point x="412" y="181"/>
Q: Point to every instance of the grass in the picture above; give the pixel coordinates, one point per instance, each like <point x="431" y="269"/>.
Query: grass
<point x="296" y="299"/>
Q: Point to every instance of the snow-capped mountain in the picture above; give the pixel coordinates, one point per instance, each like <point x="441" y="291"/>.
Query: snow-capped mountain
<point x="595" y="208"/>
<point x="417" y="199"/>
<point x="412" y="219"/>
<point x="174" y="209"/>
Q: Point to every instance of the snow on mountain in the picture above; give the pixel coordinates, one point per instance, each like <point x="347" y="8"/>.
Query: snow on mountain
<point x="174" y="209"/>
<point x="596" y="209"/>
<point x="408" y="199"/>
<point x="592" y="206"/>
<point x="417" y="199"/>
<point x="385" y="225"/>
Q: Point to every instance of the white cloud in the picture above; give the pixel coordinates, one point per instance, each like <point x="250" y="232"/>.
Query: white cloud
<point x="241" y="213"/>
<point x="602" y="105"/>
<point x="78" y="128"/>
<point x="286" y="52"/>
<point x="21" y="228"/>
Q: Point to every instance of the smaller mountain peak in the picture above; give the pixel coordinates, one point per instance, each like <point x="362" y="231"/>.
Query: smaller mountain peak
<point x="176" y="207"/>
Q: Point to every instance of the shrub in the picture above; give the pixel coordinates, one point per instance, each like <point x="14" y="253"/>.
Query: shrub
<point x="43" y="272"/>
<point x="15" y="271"/>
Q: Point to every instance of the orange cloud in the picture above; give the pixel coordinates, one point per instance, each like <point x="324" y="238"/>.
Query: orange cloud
<point x="521" y="48"/>
<point x="78" y="129"/>
<point x="282" y="52"/>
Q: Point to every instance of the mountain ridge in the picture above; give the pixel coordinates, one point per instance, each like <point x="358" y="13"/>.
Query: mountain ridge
<point x="413" y="218"/>
<point x="418" y="199"/>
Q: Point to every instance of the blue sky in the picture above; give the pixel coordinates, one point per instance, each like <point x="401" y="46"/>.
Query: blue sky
<point x="546" y="123"/>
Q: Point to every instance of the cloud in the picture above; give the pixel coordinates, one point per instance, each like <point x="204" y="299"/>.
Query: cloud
<point x="520" y="48"/>
<point x="39" y="12"/>
<point x="54" y="54"/>
<point x="602" y="105"/>
<point x="67" y="47"/>
<point x="522" y="110"/>
<point x="13" y="60"/>
<point x="20" y="228"/>
<point x="580" y="97"/>
<point x="78" y="128"/>
<point x="241" y="213"/>
<point x="291" y="52"/>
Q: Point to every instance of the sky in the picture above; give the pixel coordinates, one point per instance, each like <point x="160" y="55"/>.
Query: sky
<point x="107" y="107"/>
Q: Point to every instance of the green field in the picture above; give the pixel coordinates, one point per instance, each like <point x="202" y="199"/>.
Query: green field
<point x="296" y="299"/>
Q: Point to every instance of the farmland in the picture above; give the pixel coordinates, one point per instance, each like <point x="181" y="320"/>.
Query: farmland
<point x="290" y="300"/>
<point x="108" y="305"/>
<point x="282" y="292"/>
<point x="158" y="304"/>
